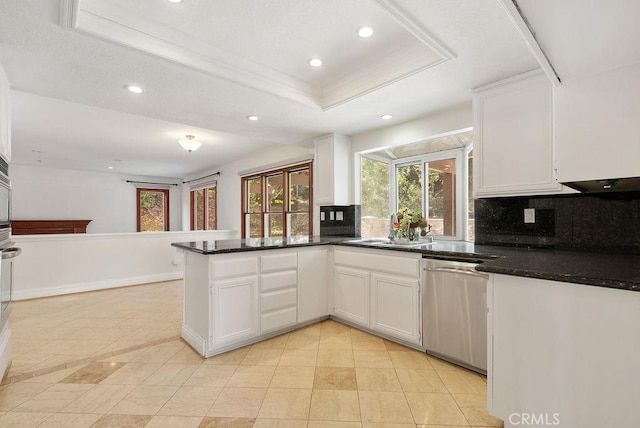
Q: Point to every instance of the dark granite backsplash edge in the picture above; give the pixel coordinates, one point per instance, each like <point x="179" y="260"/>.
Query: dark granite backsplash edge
<point x="575" y="222"/>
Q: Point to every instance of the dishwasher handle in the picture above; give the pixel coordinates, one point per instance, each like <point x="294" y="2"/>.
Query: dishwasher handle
<point x="458" y="271"/>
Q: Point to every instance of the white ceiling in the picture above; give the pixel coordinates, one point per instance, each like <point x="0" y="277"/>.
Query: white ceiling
<point x="207" y="64"/>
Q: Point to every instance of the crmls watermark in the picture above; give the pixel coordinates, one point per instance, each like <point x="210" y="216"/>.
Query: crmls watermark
<point x="534" y="419"/>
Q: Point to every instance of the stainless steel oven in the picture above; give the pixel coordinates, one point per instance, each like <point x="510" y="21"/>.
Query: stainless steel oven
<point x="5" y="204"/>
<point x="6" y="282"/>
<point x="7" y="251"/>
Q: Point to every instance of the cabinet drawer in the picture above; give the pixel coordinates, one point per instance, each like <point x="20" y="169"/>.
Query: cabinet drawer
<point x="236" y="267"/>
<point x="273" y="281"/>
<point x="279" y="319"/>
<point x="276" y="262"/>
<point x="381" y="262"/>
<point x="277" y="300"/>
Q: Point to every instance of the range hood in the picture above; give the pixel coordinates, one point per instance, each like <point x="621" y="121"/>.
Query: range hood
<point x="606" y="185"/>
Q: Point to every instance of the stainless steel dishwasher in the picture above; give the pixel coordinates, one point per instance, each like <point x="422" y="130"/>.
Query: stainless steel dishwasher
<point x="455" y="313"/>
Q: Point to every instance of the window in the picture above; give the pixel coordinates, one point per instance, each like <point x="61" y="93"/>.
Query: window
<point x="375" y="197"/>
<point x="277" y="203"/>
<point x="204" y="209"/>
<point x="153" y="210"/>
<point x="432" y="177"/>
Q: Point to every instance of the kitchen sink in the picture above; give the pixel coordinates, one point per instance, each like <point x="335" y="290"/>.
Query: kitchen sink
<point x="388" y="243"/>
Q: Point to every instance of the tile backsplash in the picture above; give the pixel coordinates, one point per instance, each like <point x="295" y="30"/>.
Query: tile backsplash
<point x="605" y="222"/>
<point x="340" y="220"/>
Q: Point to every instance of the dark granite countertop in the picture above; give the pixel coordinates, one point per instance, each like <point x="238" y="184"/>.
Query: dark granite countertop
<point x="603" y="270"/>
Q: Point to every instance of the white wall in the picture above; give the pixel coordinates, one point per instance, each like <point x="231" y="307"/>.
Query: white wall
<point x="59" y="264"/>
<point x="229" y="189"/>
<point x="102" y="197"/>
<point x="444" y="122"/>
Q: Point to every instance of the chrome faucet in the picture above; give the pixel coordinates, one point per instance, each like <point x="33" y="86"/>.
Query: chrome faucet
<point x="392" y="221"/>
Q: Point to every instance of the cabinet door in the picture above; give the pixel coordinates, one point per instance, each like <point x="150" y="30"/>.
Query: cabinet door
<point x="513" y="147"/>
<point x="351" y="295"/>
<point x="5" y="117"/>
<point x="312" y="284"/>
<point x="235" y="310"/>
<point x="395" y="307"/>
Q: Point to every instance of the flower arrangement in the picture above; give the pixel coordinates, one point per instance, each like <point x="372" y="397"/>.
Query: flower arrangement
<point x="407" y="222"/>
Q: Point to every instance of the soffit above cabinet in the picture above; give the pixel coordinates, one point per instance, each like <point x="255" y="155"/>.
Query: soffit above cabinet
<point x="585" y="37"/>
<point x="266" y="45"/>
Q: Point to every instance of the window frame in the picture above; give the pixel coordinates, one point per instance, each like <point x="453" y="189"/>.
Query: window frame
<point x="462" y="189"/>
<point x="165" y="193"/>
<point x="192" y="208"/>
<point x="286" y="213"/>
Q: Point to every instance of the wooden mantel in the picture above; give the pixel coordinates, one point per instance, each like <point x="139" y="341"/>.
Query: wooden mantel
<point x="41" y="227"/>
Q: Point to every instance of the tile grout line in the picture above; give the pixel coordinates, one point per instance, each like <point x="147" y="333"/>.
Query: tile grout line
<point x="69" y="364"/>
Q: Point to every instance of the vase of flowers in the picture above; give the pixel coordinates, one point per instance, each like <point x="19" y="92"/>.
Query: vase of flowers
<point x="405" y="229"/>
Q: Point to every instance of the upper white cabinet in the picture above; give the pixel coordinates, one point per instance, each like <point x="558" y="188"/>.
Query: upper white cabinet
<point x="513" y="146"/>
<point x="5" y="116"/>
<point x="332" y="170"/>
<point x="597" y="126"/>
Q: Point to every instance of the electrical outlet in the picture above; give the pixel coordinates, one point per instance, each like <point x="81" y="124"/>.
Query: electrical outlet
<point x="332" y="216"/>
<point x="339" y="215"/>
<point x="321" y="215"/>
<point x="529" y="215"/>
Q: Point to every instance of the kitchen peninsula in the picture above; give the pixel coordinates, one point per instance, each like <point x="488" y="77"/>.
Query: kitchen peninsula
<point x="559" y="322"/>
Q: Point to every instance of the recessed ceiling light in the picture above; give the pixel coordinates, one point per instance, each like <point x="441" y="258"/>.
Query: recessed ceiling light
<point x="253" y="117"/>
<point x="109" y="167"/>
<point x="315" y="62"/>
<point x="135" y="89"/>
<point x="386" y="116"/>
<point x="365" y="32"/>
<point x="175" y="1"/>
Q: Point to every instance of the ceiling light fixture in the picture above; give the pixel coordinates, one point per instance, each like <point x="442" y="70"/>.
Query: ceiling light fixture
<point x="109" y="167"/>
<point x="365" y="32"/>
<point x="386" y="116"/>
<point x="175" y="1"/>
<point x="134" y="89"/>
<point x="189" y="144"/>
<point x="253" y="117"/>
<point x="315" y="62"/>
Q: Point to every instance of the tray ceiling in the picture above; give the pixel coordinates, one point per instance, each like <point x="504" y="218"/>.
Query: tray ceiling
<point x="266" y="45"/>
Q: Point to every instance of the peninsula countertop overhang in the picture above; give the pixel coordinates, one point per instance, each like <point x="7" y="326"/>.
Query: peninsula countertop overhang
<point x="597" y="269"/>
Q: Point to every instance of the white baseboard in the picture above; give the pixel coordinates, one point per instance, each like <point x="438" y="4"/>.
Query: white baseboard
<point x="95" y="285"/>
<point x="198" y="343"/>
<point x="5" y="349"/>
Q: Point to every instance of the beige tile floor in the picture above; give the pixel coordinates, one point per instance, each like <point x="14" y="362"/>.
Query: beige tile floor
<point x="114" y="359"/>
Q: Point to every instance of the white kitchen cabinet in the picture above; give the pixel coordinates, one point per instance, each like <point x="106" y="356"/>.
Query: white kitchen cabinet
<point x="5" y="116"/>
<point x="395" y="306"/>
<point x="351" y="292"/>
<point x="278" y="290"/>
<point x="513" y="137"/>
<point x="550" y="344"/>
<point x="313" y="265"/>
<point x="234" y="310"/>
<point x="597" y="128"/>
<point x="332" y="170"/>
<point x="379" y="290"/>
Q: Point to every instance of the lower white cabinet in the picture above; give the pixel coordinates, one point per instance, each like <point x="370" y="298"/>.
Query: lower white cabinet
<point x="234" y="309"/>
<point x="379" y="290"/>
<point x="313" y="266"/>
<point x="351" y="295"/>
<point x="563" y="352"/>
<point x="395" y="306"/>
